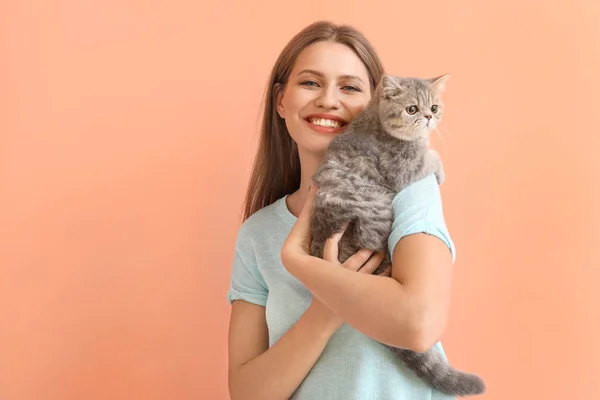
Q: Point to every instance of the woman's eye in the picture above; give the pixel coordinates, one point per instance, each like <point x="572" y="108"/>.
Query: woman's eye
<point x="351" y="88"/>
<point x="412" y="109"/>
<point x="434" y="108"/>
<point x="309" y="83"/>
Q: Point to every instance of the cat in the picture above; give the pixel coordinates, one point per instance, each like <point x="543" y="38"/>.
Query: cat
<point x="382" y="151"/>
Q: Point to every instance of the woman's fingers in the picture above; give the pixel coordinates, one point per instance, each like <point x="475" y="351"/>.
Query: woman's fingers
<point x="358" y="259"/>
<point x="332" y="246"/>
<point x="330" y="251"/>
<point x="387" y="271"/>
<point x="373" y="263"/>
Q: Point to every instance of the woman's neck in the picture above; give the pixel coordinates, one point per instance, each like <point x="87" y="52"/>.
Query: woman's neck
<point x="309" y="163"/>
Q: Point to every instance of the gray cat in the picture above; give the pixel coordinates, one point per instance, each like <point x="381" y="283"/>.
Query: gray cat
<point x="383" y="150"/>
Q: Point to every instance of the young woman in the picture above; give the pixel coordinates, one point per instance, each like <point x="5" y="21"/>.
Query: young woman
<point x="308" y="328"/>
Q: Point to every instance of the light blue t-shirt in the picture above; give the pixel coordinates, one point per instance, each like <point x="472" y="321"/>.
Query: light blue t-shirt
<point x="352" y="366"/>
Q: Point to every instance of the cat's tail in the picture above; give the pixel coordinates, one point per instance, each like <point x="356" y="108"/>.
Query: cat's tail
<point x="437" y="373"/>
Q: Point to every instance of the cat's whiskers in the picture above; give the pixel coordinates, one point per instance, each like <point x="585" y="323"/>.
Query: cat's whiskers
<point x="440" y="135"/>
<point x="445" y="132"/>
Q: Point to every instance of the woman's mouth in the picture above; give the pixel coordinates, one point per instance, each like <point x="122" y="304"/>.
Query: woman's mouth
<point x="325" y="125"/>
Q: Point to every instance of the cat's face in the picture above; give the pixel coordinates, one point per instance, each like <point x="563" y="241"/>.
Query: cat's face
<point x="410" y="108"/>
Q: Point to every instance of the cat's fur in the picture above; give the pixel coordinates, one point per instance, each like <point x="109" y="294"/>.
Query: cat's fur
<point x="383" y="150"/>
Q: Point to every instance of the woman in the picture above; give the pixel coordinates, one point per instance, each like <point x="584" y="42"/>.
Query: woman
<point x="308" y="328"/>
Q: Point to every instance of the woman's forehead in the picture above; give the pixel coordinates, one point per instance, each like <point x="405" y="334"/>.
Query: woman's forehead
<point x="330" y="59"/>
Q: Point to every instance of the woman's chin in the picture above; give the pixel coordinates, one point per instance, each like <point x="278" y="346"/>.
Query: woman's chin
<point x="312" y="142"/>
<point x="316" y="147"/>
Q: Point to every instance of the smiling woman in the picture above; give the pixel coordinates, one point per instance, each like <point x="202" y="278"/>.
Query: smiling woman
<point x="287" y="340"/>
<point x="317" y="84"/>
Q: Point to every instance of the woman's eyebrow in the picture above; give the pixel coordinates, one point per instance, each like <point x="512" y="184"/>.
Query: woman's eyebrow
<point x="311" y="71"/>
<point x="352" y="77"/>
<point x="321" y="75"/>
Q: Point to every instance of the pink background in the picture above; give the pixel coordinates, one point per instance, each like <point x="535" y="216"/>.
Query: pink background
<point x="126" y="132"/>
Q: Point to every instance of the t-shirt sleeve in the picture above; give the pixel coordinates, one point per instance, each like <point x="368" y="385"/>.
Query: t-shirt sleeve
<point x="418" y="209"/>
<point x="246" y="282"/>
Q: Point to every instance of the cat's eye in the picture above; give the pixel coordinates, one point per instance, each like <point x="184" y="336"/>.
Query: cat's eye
<point x="434" y="108"/>
<point x="412" y="110"/>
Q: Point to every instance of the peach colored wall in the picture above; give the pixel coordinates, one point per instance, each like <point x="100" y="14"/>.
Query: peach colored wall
<point x="126" y="133"/>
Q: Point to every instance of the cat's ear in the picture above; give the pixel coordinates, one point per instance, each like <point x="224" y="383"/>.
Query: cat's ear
<point x="389" y="86"/>
<point x="439" y="83"/>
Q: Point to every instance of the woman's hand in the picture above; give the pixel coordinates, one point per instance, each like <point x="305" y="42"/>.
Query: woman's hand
<point x="359" y="262"/>
<point x="296" y="251"/>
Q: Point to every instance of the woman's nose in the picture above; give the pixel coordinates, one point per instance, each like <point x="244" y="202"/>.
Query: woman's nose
<point x="328" y="98"/>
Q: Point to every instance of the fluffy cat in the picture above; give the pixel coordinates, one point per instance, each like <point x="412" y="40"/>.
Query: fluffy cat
<point x="383" y="150"/>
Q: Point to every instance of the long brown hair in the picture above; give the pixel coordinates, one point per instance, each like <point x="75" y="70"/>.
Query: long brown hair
<point x="276" y="169"/>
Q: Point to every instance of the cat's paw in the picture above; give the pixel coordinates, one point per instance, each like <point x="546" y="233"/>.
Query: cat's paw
<point x="440" y="175"/>
<point x="433" y="163"/>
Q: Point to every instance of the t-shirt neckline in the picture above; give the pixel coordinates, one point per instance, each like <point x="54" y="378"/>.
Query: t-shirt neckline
<point x="284" y="210"/>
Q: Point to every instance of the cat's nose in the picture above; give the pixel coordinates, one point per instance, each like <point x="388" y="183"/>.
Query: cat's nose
<point x="428" y="116"/>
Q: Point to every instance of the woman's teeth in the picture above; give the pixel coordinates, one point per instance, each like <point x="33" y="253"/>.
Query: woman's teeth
<point x="328" y="123"/>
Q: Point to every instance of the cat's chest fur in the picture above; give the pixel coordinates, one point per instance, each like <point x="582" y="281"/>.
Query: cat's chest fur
<point x="390" y="161"/>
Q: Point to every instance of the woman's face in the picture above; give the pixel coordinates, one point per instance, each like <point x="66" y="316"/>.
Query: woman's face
<point x="327" y="87"/>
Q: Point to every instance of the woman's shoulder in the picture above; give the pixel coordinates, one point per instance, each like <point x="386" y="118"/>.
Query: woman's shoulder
<point x="418" y="208"/>
<point x="424" y="188"/>
<point x="267" y="220"/>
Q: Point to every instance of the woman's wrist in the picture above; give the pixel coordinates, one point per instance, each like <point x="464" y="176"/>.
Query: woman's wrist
<point x="323" y="322"/>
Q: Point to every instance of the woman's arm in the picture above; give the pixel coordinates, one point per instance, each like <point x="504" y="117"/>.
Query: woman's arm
<point x="422" y="265"/>
<point x="408" y="311"/>
<point x="257" y="372"/>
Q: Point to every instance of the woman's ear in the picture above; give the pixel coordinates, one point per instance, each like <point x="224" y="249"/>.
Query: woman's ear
<point x="278" y="95"/>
